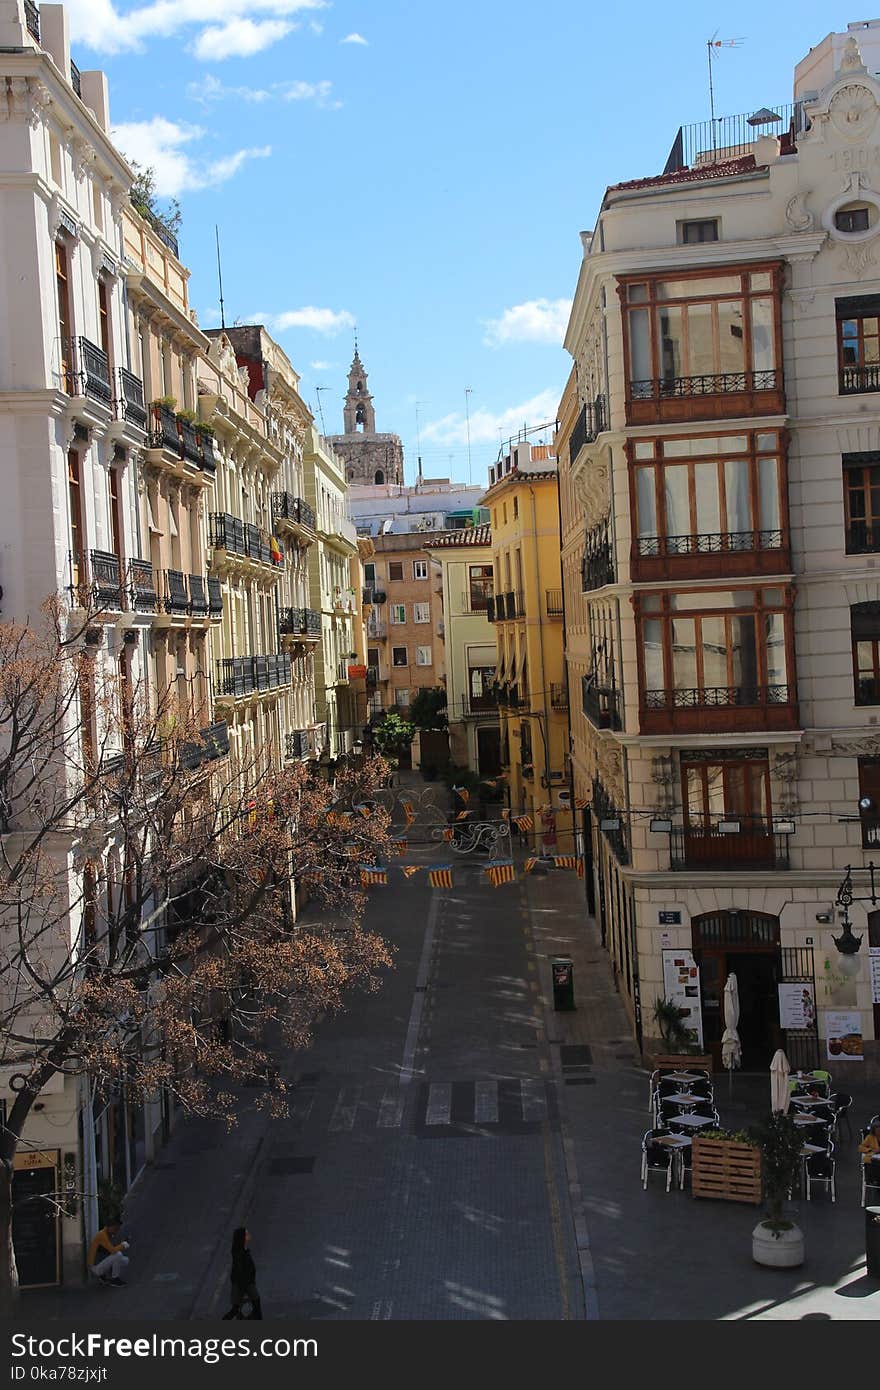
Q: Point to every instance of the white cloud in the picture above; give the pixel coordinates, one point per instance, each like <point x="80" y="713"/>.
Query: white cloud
<point x="535" y="321"/>
<point x="239" y="38"/>
<point x="355" y="38"/>
<point x="209" y="88"/>
<point x="321" y="366"/>
<point x="160" y="144"/>
<point x="318" y="92"/>
<point x="99" y="25"/>
<point x="329" y="322"/>
<point x="486" y="426"/>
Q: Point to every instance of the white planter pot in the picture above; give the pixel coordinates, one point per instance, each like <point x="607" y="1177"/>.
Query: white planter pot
<point x="778" y="1249"/>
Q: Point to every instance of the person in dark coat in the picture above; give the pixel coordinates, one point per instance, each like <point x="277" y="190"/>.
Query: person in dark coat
<point x="243" y="1277"/>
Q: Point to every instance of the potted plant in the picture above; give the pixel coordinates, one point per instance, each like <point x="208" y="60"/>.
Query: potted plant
<point x="669" y="1020"/>
<point x="776" y="1241"/>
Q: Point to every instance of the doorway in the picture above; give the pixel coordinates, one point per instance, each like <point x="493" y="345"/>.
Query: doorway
<point x="488" y="750"/>
<point x="745" y="944"/>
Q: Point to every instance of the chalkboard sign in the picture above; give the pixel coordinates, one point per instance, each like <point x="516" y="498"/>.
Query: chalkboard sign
<point x="35" y="1219"/>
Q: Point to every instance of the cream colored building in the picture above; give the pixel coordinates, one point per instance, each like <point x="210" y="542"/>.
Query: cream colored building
<point x="470" y="654"/>
<point x="720" y="455"/>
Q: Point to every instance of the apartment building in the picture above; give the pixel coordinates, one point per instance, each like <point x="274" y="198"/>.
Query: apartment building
<point x="429" y="504"/>
<point x="526" y="609"/>
<point x="718" y="447"/>
<point x="405" y="627"/>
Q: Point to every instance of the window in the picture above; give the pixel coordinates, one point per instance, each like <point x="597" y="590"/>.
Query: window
<point x="65" y="324"/>
<point x="398" y="656"/>
<point x="401" y="697"/>
<point x="421" y="612"/>
<point x="855" y="217"/>
<point x="369" y="573"/>
<point x="481" y="587"/>
<point x="395" y="570"/>
<point x="504" y="512"/>
<point x="380" y="476"/>
<point x="689" y="233"/>
<point x="858" y="343"/>
<point x="423" y="656"/>
<point x="104" y="319"/>
<point x="865" y="626"/>
<point x="861" y="500"/>
<point x="702" y="334"/>
<point x="77" y="540"/>
<point x="115" y="515"/>
<point x="480" y="687"/>
<point x="398" y="612"/>
<point x="701" y="495"/>
<point x="515" y="508"/>
<point x="869" y="794"/>
<point x="525" y="743"/>
<point x="420" y="569"/>
<point x="719" y="785"/>
<point x="715" y="649"/>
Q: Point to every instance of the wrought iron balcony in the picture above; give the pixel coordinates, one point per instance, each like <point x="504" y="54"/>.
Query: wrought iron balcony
<point x="616" y="830"/>
<point x="715" y="696"/>
<point x="190" y="441"/>
<point x="854" y="381"/>
<point x="342" y="676"/>
<point x="32" y="19"/>
<point x="475" y="705"/>
<point x="298" y="744"/>
<point x="165" y="234"/>
<point x="238" y="537"/>
<point x="558" y="695"/>
<point x="589" y="425"/>
<point x="175" y="598"/>
<point x="215" y="597"/>
<point x="106" y="575"/>
<point x="130" y="403"/>
<point x="376" y="628"/>
<point x="597" y="566"/>
<point x="239" y="676"/>
<point x="214" y="744"/>
<point x="477" y="598"/>
<point x="710" y="543"/>
<point x="751" y="845"/>
<point x="142" y="586"/>
<point x="491" y="608"/>
<point x="372" y="675"/>
<point x="164" y="433"/>
<point x="870" y="833"/>
<point x="600" y="703"/>
<point x="93" y="372"/>
<point x="707" y="384"/>
<point x="75" y="80"/>
<point x="209" y="459"/>
<point x="299" y="622"/>
<point x="554" y="603"/>
<point x="286" y="507"/>
<point x="198" y="596"/>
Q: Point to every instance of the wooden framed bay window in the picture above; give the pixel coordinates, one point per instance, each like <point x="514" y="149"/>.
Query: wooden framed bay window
<point x="861" y="502"/>
<point x="703" y="344"/>
<point x="716" y="660"/>
<point x="858" y="343"/>
<point x="709" y="505"/>
<point x="727" y="811"/>
<point x="865" y="625"/>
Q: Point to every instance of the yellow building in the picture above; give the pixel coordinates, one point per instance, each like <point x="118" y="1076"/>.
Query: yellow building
<point x="527" y="612"/>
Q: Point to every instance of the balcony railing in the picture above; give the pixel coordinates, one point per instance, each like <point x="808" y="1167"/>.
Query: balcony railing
<point x="342" y="672"/>
<point x="299" y="744"/>
<point x="209" y="458"/>
<point x="615" y="827"/>
<point x="106" y="575"/>
<point x="75" y="80"/>
<point x="286" y="507"/>
<point x="198" y="596"/>
<point x="719" y="696"/>
<point x="164" y="433"/>
<point x="165" y="235"/>
<point x="215" y="597"/>
<point x="870" y="833"/>
<point x="862" y="539"/>
<point x="376" y="628"/>
<point x="89" y="371"/>
<point x="372" y="675"/>
<point x="484" y="703"/>
<point x="558" y="695"/>
<point x="508" y="695"/>
<point x="239" y="676"/>
<point x="477" y="598"/>
<point x="299" y="622"/>
<point x="752" y="845"/>
<point x="492" y="609"/>
<point x="190" y="441"/>
<point x="727" y="137"/>
<point x="239" y="537"/>
<point x="600" y="703"/>
<point x="854" y="380"/>
<point x="32" y="19"/>
<point x="709" y="543"/>
<point x="554" y="603"/>
<point x="130" y="403"/>
<point x="142" y="586"/>
<point x="597" y="565"/>
<point x="175" y="598"/>
<point x="708" y="384"/>
<point x="589" y="425"/>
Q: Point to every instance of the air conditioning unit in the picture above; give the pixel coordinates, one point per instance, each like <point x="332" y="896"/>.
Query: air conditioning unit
<point x="427" y="524"/>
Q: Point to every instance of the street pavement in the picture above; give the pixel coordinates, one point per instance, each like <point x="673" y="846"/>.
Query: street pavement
<point x="455" y="1149"/>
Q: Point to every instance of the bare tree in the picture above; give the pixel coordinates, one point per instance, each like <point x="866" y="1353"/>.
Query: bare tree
<point x="147" y="935"/>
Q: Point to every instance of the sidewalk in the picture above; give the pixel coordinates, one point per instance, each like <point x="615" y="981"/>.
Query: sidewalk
<point x="651" y="1254"/>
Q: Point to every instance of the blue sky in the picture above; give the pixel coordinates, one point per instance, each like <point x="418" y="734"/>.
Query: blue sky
<point x="421" y="170"/>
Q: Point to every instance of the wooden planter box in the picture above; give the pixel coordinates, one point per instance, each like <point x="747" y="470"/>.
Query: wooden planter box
<point x="682" y="1063"/>
<point x="727" y="1170"/>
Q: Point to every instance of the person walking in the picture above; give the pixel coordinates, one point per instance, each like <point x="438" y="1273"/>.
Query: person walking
<point x="243" y="1278"/>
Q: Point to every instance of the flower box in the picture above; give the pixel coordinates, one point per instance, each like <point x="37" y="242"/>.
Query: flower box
<point x="726" y="1169"/>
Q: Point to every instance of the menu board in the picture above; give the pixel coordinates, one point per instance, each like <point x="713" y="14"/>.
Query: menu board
<point x="874" y="953"/>
<point x="797" y="1006"/>
<point x="843" y="1033"/>
<point x="681" y="985"/>
<point x="35" y="1219"/>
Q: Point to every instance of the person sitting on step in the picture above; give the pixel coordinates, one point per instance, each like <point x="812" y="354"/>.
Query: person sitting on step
<point x="106" y="1258"/>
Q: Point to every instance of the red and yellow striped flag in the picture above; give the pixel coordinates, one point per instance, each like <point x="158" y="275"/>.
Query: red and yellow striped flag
<point x="448" y="832"/>
<point x="462" y="815"/>
<point x="580" y="868"/>
<point x="409" y="869"/>
<point x="408" y="812"/>
<point x="581" y="802"/>
<point x="463" y="794"/>
<point x="565" y="861"/>
<point x="440" y="877"/>
<point x="523" y="822"/>
<point x="401" y="846"/>
<point x="500" y="873"/>
<point x="371" y="875"/>
<point x="530" y="863"/>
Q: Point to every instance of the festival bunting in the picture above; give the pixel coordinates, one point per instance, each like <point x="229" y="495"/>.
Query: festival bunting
<point x="409" y="869"/>
<point x="505" y="814"/>
<point x="565" y="861"/>
<point x="580" y="868"/>
<point x="462" y="815"/>
<point x="523" y="822"/>
<point x="530" y="863"/>
<point x="463" y="794"/>
<point x="581" y="803"/>
<point x="440" y="877"/>
<point x="408" y="812"/>
<point x="371" y="875"/>
<point x="448" y="832"/>
<point x="500" y="873"/>
<point x="401" y="846"/>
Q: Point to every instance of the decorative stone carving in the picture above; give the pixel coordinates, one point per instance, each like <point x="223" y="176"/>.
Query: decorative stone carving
<point x="798" y="215"/>
<point x="864" y="747"/>
<point x="664" y="778"/>
<point x="786" y="770"/>
<point x="853" y="111"/>
<point x="851" y="61"/>
<point x="858" y="258"/>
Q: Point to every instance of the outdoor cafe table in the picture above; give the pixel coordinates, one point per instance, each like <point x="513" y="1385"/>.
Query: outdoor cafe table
<point x="809" y="1101"/>
<point x="685" y="1099"/>
<point x="677" y="1143"/>
<point x="802" y="1120"/>
<point x="683" y="1076"/>
<point x="693" y="1121"/>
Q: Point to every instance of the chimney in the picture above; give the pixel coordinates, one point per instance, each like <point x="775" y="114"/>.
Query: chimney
<point x="13" y="30"/>
<point x="96" y="96"/>
<point x="55" y="37"/>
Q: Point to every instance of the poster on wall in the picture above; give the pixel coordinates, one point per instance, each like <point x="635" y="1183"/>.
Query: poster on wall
<point x="681" y="985"/>
<point x="797" y="1006"/>
<point x="843" y="1036"/>
<point x="874" y="953"/>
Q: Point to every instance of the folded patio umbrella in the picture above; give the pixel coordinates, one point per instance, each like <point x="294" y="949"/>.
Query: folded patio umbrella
<point x="780" y="1095"/>
<point x="731" y="1048"/>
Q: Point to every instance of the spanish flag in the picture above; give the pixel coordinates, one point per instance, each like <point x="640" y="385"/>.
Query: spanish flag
<point x="409" y="869"/>
<point x="530" y="863"/>
<point x="500" y="873"/>
<point x="565" y="861"/>
<point x="441" y="877"/>
<point x="401" y="846"/>
<point x="371" y="875"/>
<point x="408" y="812"/>
<point x="523" y="822"/>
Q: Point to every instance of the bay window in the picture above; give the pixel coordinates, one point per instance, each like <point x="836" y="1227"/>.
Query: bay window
<point x="858" y="343"/>
<point x="861" y="500"/>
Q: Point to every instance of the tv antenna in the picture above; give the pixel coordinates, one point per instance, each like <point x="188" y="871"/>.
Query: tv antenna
<point x="318" y="390"/>
<point x="713" y="48"/>
<point x="220" y="276"/>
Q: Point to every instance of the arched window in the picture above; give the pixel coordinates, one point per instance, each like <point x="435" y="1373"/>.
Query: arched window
<point x="380" y="476"/>
<point x="360" y="387"/>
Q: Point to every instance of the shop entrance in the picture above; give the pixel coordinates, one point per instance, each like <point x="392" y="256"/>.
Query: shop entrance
<point x="745" y="944"/>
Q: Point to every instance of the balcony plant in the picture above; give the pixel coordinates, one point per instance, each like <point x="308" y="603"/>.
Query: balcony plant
<point x="777" y="1241"/>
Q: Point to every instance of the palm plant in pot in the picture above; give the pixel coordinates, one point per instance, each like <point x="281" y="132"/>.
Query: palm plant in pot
<point x="777" y="1241"/>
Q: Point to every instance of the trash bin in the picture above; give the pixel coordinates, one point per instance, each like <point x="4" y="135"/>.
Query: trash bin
<point x="563" y="983"/>
<point x="872" y="1241"/>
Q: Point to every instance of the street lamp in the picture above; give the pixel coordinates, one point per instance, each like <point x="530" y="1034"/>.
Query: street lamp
<point x="848" y="943"/>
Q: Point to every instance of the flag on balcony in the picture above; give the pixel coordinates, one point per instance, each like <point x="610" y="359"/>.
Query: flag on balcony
<point x="500" y="873"/>
<point x="401" y="846"/>
<point x="371" y="875"/>
<point x="275" y="550"/>
<point x="441" y="877"/>
<point x="523" y="822"/>
<point x="581" y="802"/>
<point x="462" y="815"/>
<point x="463" y="794"/>
<point x="530" y="863"/>
<point x="408" y="812"/>
<point x="409" y="869"/>
<point x="565" y="861"/>
<point x="448" y="832"/>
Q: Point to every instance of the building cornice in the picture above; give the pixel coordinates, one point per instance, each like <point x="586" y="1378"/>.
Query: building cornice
<point x="145" y="292"/>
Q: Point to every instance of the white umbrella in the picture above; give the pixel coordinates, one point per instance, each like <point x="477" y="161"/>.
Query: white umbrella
<point x="780" y="1094"/>
<point x="731" y="1049"/>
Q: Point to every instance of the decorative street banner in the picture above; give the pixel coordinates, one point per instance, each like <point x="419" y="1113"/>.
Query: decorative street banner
<point x="409" y="869"/>
<point x="580" y="868"/>
<point x="843" y="1036"/>
<point x="581" y="803"/>
<point x="462" y="815"/>
<point x="441" y="877"/>
<point x="530" y="863"/>
<point x="523" y="822"/>
<point x="797" y="1006"/>
<point x="448" y="833"/>
<point x="565" y="861"/>
<point x="371" y="875"/>
<point x="401" y="846"/>
<point x="408" y="811"/>
<point x="874" y="953"/>
<point x="500" y="873"/>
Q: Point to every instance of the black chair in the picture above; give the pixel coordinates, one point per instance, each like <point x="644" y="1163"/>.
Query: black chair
<point x="656" y="1158"/>
<point x="841" y="1103"/>
<point x="820" y="1168"/>
<point x="818" y="1133"/>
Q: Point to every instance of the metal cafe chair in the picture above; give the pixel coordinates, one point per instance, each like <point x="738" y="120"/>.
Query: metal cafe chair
<point x="656" y="1158"/>
<point x="820" y="1168"/>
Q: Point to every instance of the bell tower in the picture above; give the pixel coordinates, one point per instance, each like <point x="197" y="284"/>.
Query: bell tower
<point x="359" y="415"/>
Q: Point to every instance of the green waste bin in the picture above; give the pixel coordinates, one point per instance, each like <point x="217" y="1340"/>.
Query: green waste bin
<point x="562" y="969"/>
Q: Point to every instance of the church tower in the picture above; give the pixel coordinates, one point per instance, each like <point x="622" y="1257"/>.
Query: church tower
<point x="369" y="457"/>
<point x="359" y="413"/>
